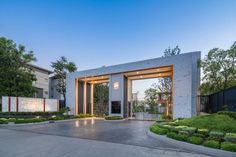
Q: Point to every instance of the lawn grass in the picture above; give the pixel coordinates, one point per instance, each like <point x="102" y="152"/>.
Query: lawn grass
<point x="217" y="122"/>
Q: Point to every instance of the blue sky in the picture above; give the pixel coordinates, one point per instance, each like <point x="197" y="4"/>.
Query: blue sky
<point x="93" y="33"/>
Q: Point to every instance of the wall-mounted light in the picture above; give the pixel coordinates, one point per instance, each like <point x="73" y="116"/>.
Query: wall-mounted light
<point x="116" y="85"/>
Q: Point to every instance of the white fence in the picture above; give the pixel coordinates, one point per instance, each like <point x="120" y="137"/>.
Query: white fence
<point x="23" y="104"/>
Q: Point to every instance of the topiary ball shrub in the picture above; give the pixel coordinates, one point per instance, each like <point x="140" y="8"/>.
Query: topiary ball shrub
<point x="228" y="146"/>
<point x="216" y="135"/>
<point x="230" y="137"/>
<point x="195" y="140"/>
<point x="157" y="130"/>
<point x="212" y="144"/>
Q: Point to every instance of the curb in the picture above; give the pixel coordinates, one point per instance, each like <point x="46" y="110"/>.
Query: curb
<point x="193" y="147"/>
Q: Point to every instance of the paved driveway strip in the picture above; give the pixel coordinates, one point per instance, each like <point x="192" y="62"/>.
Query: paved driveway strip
<point x="125" y="132"/>
<point x="28" y="144"/>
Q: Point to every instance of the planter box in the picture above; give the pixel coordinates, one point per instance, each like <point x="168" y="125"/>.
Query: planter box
<point x="146" y="116"/>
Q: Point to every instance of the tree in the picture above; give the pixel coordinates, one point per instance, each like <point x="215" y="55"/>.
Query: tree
<point x="61" y="68"/>
<point x="219" y="69"/>
<point x="165" y="84"/>
<point x="151" y="96"/>
<point x="101" y="99"/>
<point x="16" y="74"/>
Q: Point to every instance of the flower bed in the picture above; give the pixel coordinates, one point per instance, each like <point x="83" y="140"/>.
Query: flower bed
<point x="209" y="136"/>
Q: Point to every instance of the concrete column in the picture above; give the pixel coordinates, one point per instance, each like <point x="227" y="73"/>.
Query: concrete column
<point x="76" y="106"/>
<point x="85" y="98"/>
<point x="91" y="98"/>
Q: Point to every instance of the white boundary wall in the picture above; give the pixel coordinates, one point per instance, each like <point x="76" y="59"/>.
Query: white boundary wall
<point x="29" y="104"/>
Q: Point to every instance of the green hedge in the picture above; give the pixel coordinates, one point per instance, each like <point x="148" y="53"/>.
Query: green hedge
<point x="195" y="140"/>
<point x="228" y="146"/>
<point x="30" y="113"/>
<point x="212" y="144"/>
<point x="179" y="137"/>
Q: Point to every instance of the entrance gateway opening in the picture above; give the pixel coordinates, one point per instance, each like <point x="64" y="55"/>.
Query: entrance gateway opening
<point x="182" y="69"/>
<point x="86" y="89"/>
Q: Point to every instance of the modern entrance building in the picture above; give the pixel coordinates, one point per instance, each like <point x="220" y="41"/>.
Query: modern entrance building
<point x="182" y="69"/>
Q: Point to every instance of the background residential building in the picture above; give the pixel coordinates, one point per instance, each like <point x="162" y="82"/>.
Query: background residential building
<point x="42" y="82"/>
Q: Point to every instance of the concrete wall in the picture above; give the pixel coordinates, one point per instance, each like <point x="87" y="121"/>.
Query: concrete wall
<point x="186" y="80"/>
<point x="29" y="104"/>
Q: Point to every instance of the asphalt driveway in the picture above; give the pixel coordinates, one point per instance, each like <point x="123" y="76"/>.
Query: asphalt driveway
<point x="129" y="132"/>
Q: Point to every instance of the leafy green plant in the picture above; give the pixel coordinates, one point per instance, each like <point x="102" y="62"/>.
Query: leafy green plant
<point x="212" y="144"/>
<point x="155" y="129"/>
<point x="228" y="146"/>
<point x="195" y="140"/>
<point x="3" y="121"/>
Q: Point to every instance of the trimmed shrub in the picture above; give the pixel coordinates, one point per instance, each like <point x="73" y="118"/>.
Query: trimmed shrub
<point x="112" y="118"/>
<point x="3" y="121"/>
<point x="231" y="137"/>
<point x="180" y="127"/>
<point x="195" y="140"/>
<point x="190" y="130"/>
<point x="228" y="146"/>
<point x="171" y="134"/>
<point x="216" y="135"/>
<point x="199" y="135"/>
<point x="212" y="144"/>
<point x="11" y="120"/>
<point x="157" y="130"/>
<point x="179" y="137"/>
<point x="184" y="132"/>
<point x="203" y="131"/>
